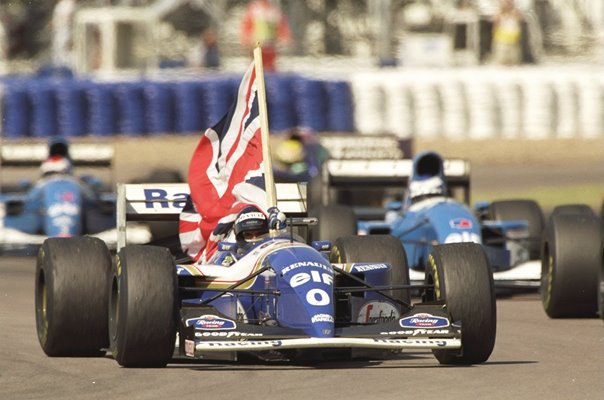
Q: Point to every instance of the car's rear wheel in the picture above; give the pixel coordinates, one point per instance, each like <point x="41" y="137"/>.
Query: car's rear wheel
<point x="571" y="267"/>
<point x="574" y="209"/>
<point x="143" y="307"/>
<point x="378" y="249"/>
<point x="527" y="210"/>
<point x="334" y="221"/>
<point x="462" y="277"/>
<point x="72" y="280"/>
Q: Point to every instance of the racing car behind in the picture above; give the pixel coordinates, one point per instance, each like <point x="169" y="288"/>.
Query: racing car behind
<point x="426" y="201"/>
<point x="58" y="203"/>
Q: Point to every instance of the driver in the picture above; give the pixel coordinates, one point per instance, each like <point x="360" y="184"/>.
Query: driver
<point x="251" y="226"/>
<point x="58" y="161"/>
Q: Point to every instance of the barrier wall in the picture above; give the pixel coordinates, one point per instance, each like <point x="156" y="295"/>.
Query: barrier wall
<point x="43" y="107"/>
<point x="482" y="103"/>
<point x="466" y="103"/>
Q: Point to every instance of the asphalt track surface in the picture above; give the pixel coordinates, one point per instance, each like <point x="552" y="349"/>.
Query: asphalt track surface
<point x="534" y="357"/>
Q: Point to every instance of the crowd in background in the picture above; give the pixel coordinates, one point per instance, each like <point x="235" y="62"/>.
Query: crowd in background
<point x="510" y="32"/>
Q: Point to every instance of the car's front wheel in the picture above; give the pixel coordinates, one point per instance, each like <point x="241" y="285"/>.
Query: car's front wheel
<point x="462" y="278"/>
<point x="143" y="307"/>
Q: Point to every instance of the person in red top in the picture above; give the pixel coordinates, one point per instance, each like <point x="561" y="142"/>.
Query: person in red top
<point x="264" y="23"/>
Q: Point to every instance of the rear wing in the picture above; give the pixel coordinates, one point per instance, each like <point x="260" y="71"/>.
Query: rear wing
<point x="32" y="155"/>
<point x="164" y="202"/>
<point x="357" y="146"/>
<point x="351" y="174"/>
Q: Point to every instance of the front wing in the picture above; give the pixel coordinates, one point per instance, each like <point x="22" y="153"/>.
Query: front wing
<point x="397" y="334"/>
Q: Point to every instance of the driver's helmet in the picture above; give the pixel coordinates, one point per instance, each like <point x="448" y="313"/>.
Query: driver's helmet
<point x="427" y="178"/>
<point x="56" y="165"/>
<point x="290" y="151"/>
<point x="251" y="226"/>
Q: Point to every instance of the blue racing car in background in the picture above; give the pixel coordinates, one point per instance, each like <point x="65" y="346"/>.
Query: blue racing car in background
<point x="425" y="201"/>
<point x="58" y="203"/>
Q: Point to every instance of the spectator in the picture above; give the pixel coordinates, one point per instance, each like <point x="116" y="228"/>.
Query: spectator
<point x="264" y="23"/>
<point x="205" y="53"/>
<point x="62" y="32"/>
<point x="507" y="34"/>
<point x="209" y="49"/>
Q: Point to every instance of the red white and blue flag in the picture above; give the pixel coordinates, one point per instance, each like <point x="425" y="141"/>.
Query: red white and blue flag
<point x="225" y="174"/>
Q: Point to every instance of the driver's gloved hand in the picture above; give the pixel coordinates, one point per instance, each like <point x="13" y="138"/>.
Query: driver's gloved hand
<point x="276" y="219"/>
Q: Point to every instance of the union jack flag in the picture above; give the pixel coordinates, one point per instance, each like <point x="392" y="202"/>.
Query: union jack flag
<point x="225" y="174"/>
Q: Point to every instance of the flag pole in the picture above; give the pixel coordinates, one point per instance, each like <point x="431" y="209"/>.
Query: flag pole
<point x="269" y="182"/>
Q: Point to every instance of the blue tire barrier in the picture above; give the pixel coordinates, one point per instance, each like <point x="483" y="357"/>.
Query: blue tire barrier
<point x="72" y="108"/>
<point x="215" y="99"/>
<point x="280" y="102"/>
<point x="189" y="115"/>
<point x="44" y="122"/>
<point x="340" y="106"/>
<point x="102" y="106"/>
<point x="131" y="108"/>
<point x="310" y="104"/>
<point x="36" y="107"/>
<point x="160" y="108"/>
<point x="17" y="111"/>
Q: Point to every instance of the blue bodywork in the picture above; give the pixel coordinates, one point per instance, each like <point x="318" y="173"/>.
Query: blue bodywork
<point x="429" y="215"/>
<point x="296" y="289"/>
<point x="440" y="220"/>
<point x="59" y="205"/>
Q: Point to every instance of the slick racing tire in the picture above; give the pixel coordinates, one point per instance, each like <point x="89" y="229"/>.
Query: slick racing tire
<point x="72" y="280"/>
<point x="574" y="209"/>
<point x="571" y="267"/>
<point x="334" y="221"/>
<point x="462" y="277"/>
<point x="528" y="210"/>
<point x="142" y="307"/>
<point x="378" y="249"/>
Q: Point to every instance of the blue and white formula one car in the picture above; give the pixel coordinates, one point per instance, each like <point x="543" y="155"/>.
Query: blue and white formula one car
<point x="572" y="279"/>
<point x="58" y="204"/>
<point x="428" y="203"/>
<point x="280" y="299"/>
